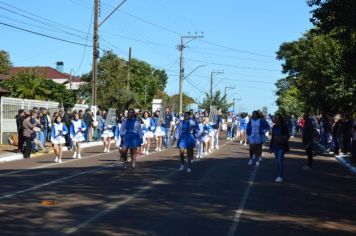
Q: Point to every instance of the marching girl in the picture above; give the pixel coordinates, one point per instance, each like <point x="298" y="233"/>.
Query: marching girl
<point x="243" y="126"/>
<point x="107" y="135"/>
<point x="186" y="140"/>
<point x="198" y="135"/>
<point x="77" y="128"/>
<point x="132" y="133"/>
<point x="158" y="133"/>
<point x="148" y="127"/>
<point x="207" y="135"/>
<point x="117" y="137"/>
<point x="58" y="132"/>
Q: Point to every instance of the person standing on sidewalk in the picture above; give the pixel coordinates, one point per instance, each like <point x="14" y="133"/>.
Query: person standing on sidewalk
<point x="19" y="120"/>
<point x="167" y="126"/>
<point x="279" y="144"/>
<point x="29" y="134"/>
<point x="308" y="140"/>
<point x="353" y="148"/>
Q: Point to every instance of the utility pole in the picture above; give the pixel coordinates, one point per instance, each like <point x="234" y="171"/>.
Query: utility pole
<point x="96" y="50"/>
<point x="128" y="70"/>
<point x="95" y="55"/>
<point x="211" y="84"/>
<point x="181" y="65"/>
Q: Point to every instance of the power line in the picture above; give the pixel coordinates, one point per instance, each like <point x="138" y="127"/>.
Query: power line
<point x="44" y="35"/>
<point x="40" y="17"/>
<point x="234" y="66"/>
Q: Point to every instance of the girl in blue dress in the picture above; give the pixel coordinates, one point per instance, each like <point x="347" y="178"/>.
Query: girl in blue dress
<point x="77" y="128"/>
<point x="132" y="134"/>
<point x="148" y="128"/>
<point x="186" y="140"/>
<point x="58" y="131"/>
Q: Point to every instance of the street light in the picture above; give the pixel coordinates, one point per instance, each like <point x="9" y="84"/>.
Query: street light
<point x="181" y="88"/>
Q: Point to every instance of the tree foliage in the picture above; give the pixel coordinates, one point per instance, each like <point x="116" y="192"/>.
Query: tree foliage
<point x="218" y="100"/>
<point x="30" y="85"/>
<point x="145" y="82"/>
<point x="173" y="101"/>
<point x="320" y="66"/>
<point x="5" y="63"/>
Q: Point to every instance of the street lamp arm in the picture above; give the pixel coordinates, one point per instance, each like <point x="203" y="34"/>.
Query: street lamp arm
<point x="196" y="68"/>
<point x="112" y="12"/>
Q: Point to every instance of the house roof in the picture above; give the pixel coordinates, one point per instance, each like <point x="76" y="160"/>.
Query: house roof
<point x="2" y="90"/>
<point x="46" y="71"/>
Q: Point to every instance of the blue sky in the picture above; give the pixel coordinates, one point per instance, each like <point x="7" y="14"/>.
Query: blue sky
<point x="240" y="37"/>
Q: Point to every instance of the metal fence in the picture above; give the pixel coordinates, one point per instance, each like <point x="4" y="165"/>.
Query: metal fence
<point x="10" y="106"/>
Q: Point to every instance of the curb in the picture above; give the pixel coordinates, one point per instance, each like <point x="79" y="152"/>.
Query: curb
<point x="16" y="156"/>
<point x="345" y="163"/>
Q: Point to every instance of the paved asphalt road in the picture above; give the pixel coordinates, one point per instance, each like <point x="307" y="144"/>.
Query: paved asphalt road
<point x="222" y="196"/>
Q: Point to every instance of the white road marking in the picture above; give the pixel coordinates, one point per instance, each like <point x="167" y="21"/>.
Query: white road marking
<point x="236" y="220"/>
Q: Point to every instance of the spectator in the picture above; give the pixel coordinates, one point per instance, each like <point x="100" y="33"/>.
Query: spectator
<point x="19" y="120"/>
<point x="337" y="134"/>
<point x="353" y="154"/>
<point x="29" y="124"/>
<point x="292" y="125"/>
<point x="88" y="120"/>
<point x="308" y="139"/>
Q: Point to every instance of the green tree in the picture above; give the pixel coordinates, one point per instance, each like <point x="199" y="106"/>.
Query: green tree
<point x="218" y="100"/>
<point x="146" y="83"/>
<point x="5" y="63"/>
<point x="313" y="65"/>
<point x="173" y="102"/>
<point x="30" y="85"/>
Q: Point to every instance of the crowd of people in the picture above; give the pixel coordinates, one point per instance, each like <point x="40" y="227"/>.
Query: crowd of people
<point x="135" y="131"/>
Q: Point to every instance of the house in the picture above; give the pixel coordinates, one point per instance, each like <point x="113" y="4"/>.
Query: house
<point x="49" y="73"/>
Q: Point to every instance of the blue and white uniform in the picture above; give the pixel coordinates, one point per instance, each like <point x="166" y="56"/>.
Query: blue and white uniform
<point x="184" y="134"/>
<point x="117" y="135"/>
<point x="77" y="128"/>
<point x="158" y="132"/>
<point x="107" y="131"/>
<point x="243" y="124"/>
<point x="58" y="131"/>
<point x="132" y="132"/>
<point x="148" y="127"/>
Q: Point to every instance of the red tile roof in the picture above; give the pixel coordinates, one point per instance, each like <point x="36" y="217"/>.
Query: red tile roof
<point x="46" y="71"/>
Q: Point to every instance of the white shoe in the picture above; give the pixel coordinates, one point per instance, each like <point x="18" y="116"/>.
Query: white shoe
<point x="206" y="153"/>
<point x="75" y="155"/>
<point x="56" y="159"/>
<point x="240" y="142"/>
<point x="189" y="170"/>
<point x="290" y="137"/>
<point x="181" y="168"/>
<point x="160" y="149"/>
<point x="257" y="163"/>
<point x="79" y="156"/>
<point x="278" y="180"/>
<point x="245" y="144"/>
<point x="156" y="149"/>
<point x="108" y="150"/>
<point x="105" y="150"/>
<point x="250" y="162"/>
<point x="144" y="151"/>
<point x="217" y="147"/>
<point x="260" y="159"/>
<point x="60" y="160"/>
<point x="147" y="152"/>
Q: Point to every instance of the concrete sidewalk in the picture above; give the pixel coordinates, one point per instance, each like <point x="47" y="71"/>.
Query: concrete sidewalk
<point x="9" y="152"/>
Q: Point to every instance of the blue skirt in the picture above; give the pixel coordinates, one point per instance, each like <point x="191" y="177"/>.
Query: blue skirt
<point x="186" y="141"/>
<point x="132" y="140"/>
